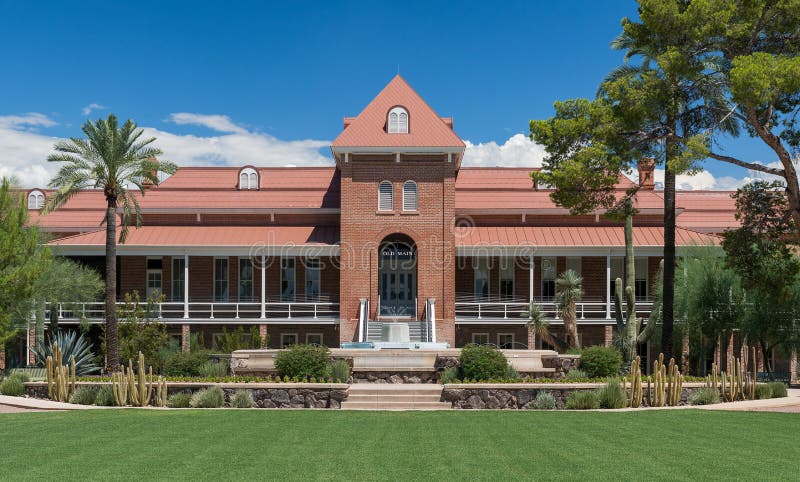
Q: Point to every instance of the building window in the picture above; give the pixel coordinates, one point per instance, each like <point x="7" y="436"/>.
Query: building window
<point x="314" y="339"/>
<point x="287" y="279"/>
<point x="481" y="266"/>
<point x="248" y="178"/>
<point x="640" y="265"/>
<point x="575" y="265"/>
<point x="221" y="279"/>
<point x="288" y="339"/>
<point x="385" y="196"/>
<point x="154" y="284"/>
<point x="398" y="121"/>
<point x="245" y="279"/>
<point x="178" y="280"/>
<point x="36" y="200"/>
<point x="505" y="341"/>
<point x="480" y="338"/>
<point x="312" y="279"/>
<point x="548" y="278"/>
<point x="507" y="278"/>
<point x="409" y="196"/>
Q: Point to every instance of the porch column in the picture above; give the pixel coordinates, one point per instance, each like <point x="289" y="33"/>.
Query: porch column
<point x="793" y="368"/>
<point x="608" y="338"/>
<point x="264" y="290"/>
<point x="530" y="279"/>
<point x="186" y="285"/>
<point x="31" y="345"/>
<point x="608" y="286"/>
<point x="186" y="332"/>
<point x="262" y="332"/>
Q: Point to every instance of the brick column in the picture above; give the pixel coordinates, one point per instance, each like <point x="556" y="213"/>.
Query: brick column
<point x="32" y="343"/>
<point x="531" y="340"/>
<point x="717" y="351"/>
<point x="608" y="339"/>
<point x="2" y="361"/>
<point x="186" y="331"/>
<point x="685" y="355"/>
<point x="793" y="368"/>
<point x="262" y="332"/>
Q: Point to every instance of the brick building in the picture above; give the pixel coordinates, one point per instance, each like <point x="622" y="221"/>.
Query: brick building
<point x="396" y="232"/>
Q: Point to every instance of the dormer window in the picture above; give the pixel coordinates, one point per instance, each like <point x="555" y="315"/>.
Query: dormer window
<point x="398" y="121"/>
<point x="248" y="178"/>
<point x="35" y="199"/>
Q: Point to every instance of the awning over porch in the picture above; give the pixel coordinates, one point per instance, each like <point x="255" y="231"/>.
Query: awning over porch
<point x="167" y="239"/>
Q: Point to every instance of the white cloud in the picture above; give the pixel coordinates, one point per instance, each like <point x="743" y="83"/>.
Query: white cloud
<point x="219" y="123"/>
<point x="91" y="107"/>
<point x="24" y="150"/>
<point x="517" y="151"/>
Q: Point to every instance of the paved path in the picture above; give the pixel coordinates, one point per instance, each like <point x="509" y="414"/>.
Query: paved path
<point x="24" y="404"/>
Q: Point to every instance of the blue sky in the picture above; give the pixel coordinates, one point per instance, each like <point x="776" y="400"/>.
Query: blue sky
<point x="268" y="84"/>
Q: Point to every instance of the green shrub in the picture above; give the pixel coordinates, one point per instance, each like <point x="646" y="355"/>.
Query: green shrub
<point x="338" y="371"/>
<point x="84" y="395"/>
<point x="185" y="364"/>
<point x="612" y="395"/>
<point x="236" y="339"/>
<point x="179" y="400"/>
<point x="212" y="397"/>
<point x="214" y="369"/>
<point x="24" y="377"/>
<point x="763" y="391"/>
<point x="303" y="361"/>
<point x="242" y="399"/>
<point x="141" y="331"/>
<point x="778" y="389"/>
<point x="449" y="375"/>
<point x="483" y="362"/>
<point x="512" y="373"/>
<point x="704" y="396"/>
<point x="601" y="361"/>
<point x="544" y="401"/>
<point x="582" y="400"/>
<point x="105" y="397"/>
<point x="12" y="386"/>
<point x="575" y="373"/>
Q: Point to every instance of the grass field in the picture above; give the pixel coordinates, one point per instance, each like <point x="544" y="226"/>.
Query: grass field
<point x="261" y="444"/>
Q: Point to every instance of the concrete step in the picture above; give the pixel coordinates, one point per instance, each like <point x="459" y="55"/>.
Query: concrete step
<point x="394" y="398"/>
<point x="348" y="405"/>
<point x="372" y="396"/>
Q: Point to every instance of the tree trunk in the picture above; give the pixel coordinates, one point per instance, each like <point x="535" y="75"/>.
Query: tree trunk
<point x="112" y="338"/>
<point x="668" y="289"/>
<point x="632" y="325"/>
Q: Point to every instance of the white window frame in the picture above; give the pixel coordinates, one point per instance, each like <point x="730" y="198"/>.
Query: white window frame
<point x="293" y="279"/>
<point x="481" y="266"/>
<point x="217" y="297"/>
<point x="382" y="189"/>
<point x="177" y="284"/>
<point x="410" y="204"/>
<point x="35" y="199"/>
<point x="507" y="267"/>
<point x="245" y="262"/>
<point x="397" y="121"/>
<point x="499" y="335"/>
<point x="313" y="274"/>
<point x="160" y="272"/>
<point x="481" y="334"/>
<point x="320" y="335"/>
<point x="284" y="336"/>
<point x="248" y="179"/>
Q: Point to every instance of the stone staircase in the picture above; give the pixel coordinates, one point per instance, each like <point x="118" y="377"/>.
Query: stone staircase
<point x="418" y="331"/>
<point x="408" y="396"/>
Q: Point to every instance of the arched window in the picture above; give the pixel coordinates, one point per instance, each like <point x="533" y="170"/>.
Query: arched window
<point x="248" y="178"/>
<point x="385" y="196"/>
<point x="35" y="200"/>
<point x="398" y="121"/>
<point x="409" y="196"/>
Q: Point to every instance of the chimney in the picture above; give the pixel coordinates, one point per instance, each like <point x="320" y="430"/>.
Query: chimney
<point x="647" y="167"/>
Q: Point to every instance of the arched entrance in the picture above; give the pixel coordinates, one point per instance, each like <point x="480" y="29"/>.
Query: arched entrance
<point x="397" y="277"/>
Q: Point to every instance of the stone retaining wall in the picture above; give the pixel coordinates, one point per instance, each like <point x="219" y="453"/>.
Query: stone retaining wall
<point x="514" y="396"/>
<point x="265" y="395"/>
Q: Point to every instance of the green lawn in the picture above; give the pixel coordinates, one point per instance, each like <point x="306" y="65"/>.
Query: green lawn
<point x="270" y="444"/>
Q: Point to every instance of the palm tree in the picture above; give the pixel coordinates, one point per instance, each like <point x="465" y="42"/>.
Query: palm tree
<point x="114" y="159"/>
<point x="568" y="292"/>
<point x="538" y="324"/>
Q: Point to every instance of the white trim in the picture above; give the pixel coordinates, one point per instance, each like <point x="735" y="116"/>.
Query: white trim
<point x="124" y="250"/>
<point x="251" y="176"/>
<point x="284" y="335"/>
<point x="416" y="196"/>
<point x="513" y="340"/>
<point x="38" y="199"/>
<point x="486" y="334"/>
<point x="401" y="150"/>
<point x="321" y="337"/>
<point x="382" y="192"/>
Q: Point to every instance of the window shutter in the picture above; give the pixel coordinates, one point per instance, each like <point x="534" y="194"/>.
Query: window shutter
<point x="409" y="196"/>
<point x="385" y="201"/>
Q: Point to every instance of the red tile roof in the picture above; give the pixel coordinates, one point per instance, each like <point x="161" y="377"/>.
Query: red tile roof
<point x="425" y="127"/>
<point x="578" y="236"/>
<point x="213" y="236"/>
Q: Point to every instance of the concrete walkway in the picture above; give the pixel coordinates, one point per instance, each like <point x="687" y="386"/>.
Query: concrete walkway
<point x="25" y="404"/>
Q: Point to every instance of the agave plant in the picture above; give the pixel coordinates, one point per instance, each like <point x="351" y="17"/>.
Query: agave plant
<point x="71" y="343"/>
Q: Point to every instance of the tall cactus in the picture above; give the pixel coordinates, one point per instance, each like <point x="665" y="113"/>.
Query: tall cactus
<point x="134" y="387"/>
<point x="61" y="379"/>
<point x="161" y="392"/>
<point x="635" y="400"/>
<point x="630" y="330"/>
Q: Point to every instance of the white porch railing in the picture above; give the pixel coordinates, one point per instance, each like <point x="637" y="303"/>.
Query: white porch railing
<point x="493" y="309"/>
<point x="205" y="310"/>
